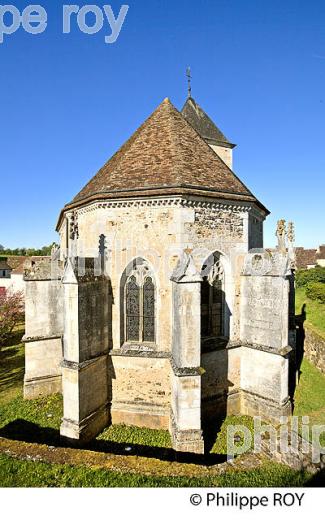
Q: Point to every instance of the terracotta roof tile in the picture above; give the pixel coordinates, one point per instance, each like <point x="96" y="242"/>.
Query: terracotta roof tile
<point x="165" y="152"/>
<point x="18" y="264"/>
<point x="305" y="257"/>
<point x="202" y="123"/>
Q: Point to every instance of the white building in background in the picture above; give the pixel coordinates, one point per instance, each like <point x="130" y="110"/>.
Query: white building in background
<point x="12" y="272"/>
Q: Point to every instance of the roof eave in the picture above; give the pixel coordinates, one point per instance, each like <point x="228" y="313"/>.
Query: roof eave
<point x="161" y="191"/>
<point x="225" y="144"/>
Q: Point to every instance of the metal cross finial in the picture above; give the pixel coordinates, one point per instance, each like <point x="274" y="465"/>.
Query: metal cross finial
<point x="189" y="77"/>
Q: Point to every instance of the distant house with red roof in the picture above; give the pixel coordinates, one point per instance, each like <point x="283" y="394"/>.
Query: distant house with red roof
<point x="310" y="258"/>
<point x="12" y="272"/>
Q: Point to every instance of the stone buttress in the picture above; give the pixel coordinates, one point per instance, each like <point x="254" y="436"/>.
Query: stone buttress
<point x="186" y="358"/>
<point x="43" y="329"/>
<point x="87" y="302"/>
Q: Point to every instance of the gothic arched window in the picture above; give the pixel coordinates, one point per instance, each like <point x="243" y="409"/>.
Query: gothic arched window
<point x="132" y="309"/>
<point x="148" y="310"/>
<point x="139" y="307"/>
<point x="212" y="299"/>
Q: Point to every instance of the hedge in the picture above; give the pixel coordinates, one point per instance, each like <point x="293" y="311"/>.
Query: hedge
<point x="304" y="277"/>
<point x="316" y="291"/>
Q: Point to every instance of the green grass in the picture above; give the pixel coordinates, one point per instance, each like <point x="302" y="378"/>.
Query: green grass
<point x="42" y="413"/>
<point x="310" y="396"/>
<point x="220" y="445"/>
<point x="268" y="475"/>
<point x="12" y="367"/>
<point x="27" y="420"/>
<point x="133" y="435"/>
<point x="315" y="311"/>
<point x="17" y="473"/>
<point x="310" y="392"/>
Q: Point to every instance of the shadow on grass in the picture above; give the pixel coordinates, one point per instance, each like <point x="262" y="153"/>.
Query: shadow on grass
<point x="26" y="431"/>
<point x="297" y="356"/>
<point x="211" y="428"/>
<point x="11" y="367"/>
<point x="300" y="337"/>
<point x="317" y="480"/>
<point x="13" y="339"/>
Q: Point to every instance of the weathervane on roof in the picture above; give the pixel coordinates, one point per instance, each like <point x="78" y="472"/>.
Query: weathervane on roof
<point x="189" y="77"/>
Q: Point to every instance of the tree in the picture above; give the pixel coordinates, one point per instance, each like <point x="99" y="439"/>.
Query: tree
<point x="23" y="251"/>
<point x="11" y="312"/>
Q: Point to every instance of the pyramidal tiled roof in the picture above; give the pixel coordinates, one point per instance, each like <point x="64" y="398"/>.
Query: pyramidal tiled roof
<point x="202" y="123"/>
<point x="165" y="155"/>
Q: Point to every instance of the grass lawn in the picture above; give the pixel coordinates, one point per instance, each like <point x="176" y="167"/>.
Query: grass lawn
<point x="310" y="396"/>
<point x="310" y="392"/>
<point x="38" y="421"/>
<point x="12" y="367"/>
<point x="315" y="311"/>
<point x="17" y="473"/>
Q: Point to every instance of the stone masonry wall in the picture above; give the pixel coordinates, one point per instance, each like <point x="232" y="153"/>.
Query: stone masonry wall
<point x="212" y="223"/>
<point x="315" y="349"/>
<point x="264" y="311"/>
<point x="140" y="391"/>
<point x="255" y="232"/>
<point x="43" y="337"/>
<point x="95" y="319"/>
<point x="44" y="308"/>
<point x="222" y="372"/>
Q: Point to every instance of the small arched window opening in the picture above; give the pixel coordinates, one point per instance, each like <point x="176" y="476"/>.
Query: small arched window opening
<point x="213" y="298"/>
<point x="139" y="304"/>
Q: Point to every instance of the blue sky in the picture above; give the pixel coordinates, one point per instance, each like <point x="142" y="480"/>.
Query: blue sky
<point x="69" y="101"/>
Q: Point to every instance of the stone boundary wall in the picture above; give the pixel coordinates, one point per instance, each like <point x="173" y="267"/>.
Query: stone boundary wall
<point x="298" y="455"/>
<point x="314" y="348"/>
